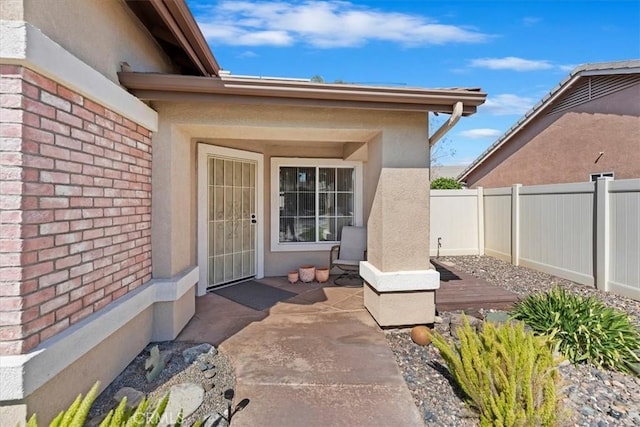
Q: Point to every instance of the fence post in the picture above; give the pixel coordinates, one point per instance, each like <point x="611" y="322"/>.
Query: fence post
<point x="480" y="194"/>
<point x="515" y="224"/>
<point x="602" y="233"/>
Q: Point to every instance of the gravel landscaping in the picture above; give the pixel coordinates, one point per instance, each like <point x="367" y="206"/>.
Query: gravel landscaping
<point x="209" y="373"/>
<point x="593" y="397"/>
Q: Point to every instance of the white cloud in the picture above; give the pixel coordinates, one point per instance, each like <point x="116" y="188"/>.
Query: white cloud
<point x="530" y="21"/>
<point x="248" y="54"/>
<point x="480" y="133"/>
<point x="323" y="24"/>
<point x="567" y="67"/>
<point x="507" y="104"/>
<point x="511" y="63"/>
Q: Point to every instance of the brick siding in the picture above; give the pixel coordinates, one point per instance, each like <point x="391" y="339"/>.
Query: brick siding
<point x="75" y="208"/>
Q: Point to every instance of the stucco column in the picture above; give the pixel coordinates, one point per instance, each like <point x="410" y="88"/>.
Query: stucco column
<point x="398" y="226"/>
<point x="400" y="281"/>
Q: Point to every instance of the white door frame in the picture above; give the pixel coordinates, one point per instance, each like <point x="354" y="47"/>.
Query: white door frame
<point x="204" y="152"/>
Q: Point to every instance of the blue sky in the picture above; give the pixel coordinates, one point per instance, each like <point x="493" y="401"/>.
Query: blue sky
<point x="516" y="51"/>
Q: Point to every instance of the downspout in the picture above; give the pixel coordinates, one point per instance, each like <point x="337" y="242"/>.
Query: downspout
<point x="446" y="127"/>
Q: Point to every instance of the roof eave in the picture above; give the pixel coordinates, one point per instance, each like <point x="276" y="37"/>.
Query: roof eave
<point x="150" y="86"/>
<point x="176" y="19"/>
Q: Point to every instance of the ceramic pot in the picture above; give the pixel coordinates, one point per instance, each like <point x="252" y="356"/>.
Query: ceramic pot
<point x="307" y="273"/>
<point x="322" y="275"/>
<point x="293" y="276"/>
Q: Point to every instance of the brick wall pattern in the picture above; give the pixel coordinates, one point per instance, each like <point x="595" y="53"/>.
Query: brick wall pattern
<point x="75" y="208"/>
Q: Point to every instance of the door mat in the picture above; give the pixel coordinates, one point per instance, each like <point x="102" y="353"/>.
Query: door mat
<point x="254" y="294"/>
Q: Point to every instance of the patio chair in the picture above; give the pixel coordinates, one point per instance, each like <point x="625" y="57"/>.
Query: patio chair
<point x="347" y="255"/>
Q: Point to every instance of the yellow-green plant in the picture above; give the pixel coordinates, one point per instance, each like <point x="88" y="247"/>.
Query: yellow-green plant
<point x="506" y="373"/>
<point x="582" y="328"/>
<point x="144" y="415"/>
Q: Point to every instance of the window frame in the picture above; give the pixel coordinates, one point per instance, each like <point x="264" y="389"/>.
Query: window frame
<point x="358" y="193"/>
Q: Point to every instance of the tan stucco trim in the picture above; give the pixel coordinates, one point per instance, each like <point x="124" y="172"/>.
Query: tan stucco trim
<point x="151" y="86"/>
<point x="399" y="281"/>
<point x="23" y="374"/>
<point x="23" y="44"/>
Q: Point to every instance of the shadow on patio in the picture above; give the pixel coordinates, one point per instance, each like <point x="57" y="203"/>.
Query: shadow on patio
<point x="315" y="359"/>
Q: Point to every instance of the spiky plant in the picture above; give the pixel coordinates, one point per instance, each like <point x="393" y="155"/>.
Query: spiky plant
<point x="582" y="328"/>
<point x="507" y="374"/>
<point x="144" y="415"/>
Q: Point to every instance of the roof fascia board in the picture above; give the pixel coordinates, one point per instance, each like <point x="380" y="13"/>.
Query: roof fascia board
<point x="180" y="34"/>
<point x="149" y="95"/>
<point x="610" y="72"/>
<point x="153" y="84"/>
<point x="185" y="20"/>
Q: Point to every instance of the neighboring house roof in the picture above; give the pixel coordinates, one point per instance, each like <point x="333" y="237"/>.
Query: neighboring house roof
<point x="547" y="102"/>
<point x="151" y="86"/>
<point x="447" y="171"/>
<point x="171" y="23"/>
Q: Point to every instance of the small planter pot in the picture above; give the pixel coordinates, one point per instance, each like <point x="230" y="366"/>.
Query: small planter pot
<point x="293" y="276"/>
<point x="322" y="275"/>
<point x="307" y="273"/>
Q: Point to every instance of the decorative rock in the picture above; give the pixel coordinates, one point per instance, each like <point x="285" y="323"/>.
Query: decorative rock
<point x="420" y="335"/>
<point x="134" y="397"/>
<point x="586" y="411"/>
<point x="209" y="374"/>
<point x="208" y="385"/>
<point x="614" y="413"/>
<point x="438" y="320"/>
<point x="204" y="366"/>
<point x="192" y="353"/>
<point x="185" y="396"/>
<point x="203" y="363"/>
<point x="497" y="317"/>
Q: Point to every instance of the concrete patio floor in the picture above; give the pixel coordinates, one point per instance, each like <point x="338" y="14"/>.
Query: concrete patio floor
<point x="316" y="359"/>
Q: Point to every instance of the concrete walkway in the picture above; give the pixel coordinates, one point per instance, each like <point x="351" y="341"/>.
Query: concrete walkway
<point x="317" y="359"/>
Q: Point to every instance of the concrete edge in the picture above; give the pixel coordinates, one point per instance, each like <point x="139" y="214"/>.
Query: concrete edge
<point x="399" y="281"/>
<point x="23" y="374"/>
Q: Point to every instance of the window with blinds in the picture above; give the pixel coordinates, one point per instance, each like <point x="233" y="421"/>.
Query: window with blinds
<point x="311" y="200"/>
<point x="315" y="203"/>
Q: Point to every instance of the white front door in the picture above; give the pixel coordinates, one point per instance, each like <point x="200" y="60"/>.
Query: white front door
<point x="229" y="216"/>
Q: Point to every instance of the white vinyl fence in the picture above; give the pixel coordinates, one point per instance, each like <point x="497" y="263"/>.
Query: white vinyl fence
<point x="586" y="232"/>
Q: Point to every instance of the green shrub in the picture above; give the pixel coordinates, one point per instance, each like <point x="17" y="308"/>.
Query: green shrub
<point x="583" y="329"/>
<point x="443" y="183"/>
<point x="507" y="374"/>
<point x="143" y="415"/>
